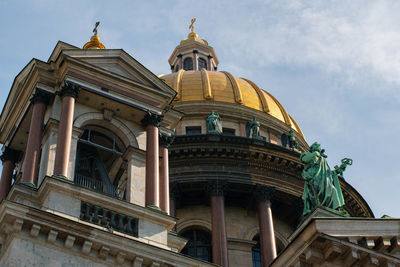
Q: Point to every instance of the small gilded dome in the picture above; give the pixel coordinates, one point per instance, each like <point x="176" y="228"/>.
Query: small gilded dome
<point x="221" y="86"/>
<point x="94" y="43"/>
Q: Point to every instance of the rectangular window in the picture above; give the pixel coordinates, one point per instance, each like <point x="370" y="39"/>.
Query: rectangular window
<point x="228" y="131"/>
<point x="193" y="130"/>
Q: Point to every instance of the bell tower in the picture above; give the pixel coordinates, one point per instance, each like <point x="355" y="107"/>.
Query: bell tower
<point x="193" y="54"/>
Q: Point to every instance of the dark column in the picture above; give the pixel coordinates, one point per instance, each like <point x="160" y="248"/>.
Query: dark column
<point x="9" y="157"/>
<point x="152" y="122"/>
<point x="68" y="94"/>
<point x="31" y="160"/>
<point x="180" y="62"/>
<point x="165" y="141"/>
<point x="263" y="196"/>
<point x="174" y="194"/>
<point x="195" y="60"/>
<point x="219" y="241"/>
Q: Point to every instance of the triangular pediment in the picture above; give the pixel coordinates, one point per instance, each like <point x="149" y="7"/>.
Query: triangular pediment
<point x="120" y="63"/>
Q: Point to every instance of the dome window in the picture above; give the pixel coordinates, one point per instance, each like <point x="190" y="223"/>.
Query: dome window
<point x="188" y="63"/>
<point x="202" y="64"/>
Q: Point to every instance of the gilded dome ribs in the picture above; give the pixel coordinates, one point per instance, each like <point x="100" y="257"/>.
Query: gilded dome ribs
<point x="177" y="84"/>
<point x="284" y="113"/>
<point x="260" y="95"/>
<point x="236" y="87"/>
<point x="206" y="84"/>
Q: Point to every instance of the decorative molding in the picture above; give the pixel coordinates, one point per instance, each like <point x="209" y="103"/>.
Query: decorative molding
<point x="152" y="119"/>
<point x="69" y="89"/>
<point x="217" y="187"/>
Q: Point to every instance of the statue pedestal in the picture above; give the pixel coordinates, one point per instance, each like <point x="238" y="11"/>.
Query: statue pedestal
<point x="320" y="213"/>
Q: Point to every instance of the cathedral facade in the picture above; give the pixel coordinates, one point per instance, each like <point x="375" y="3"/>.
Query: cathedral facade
<point x="108" y="164"/>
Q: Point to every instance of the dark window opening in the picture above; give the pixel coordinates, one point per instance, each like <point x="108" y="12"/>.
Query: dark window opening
<point x="188" y="63"/>
<point x="199" y="244"/>
<point x="256" y="254"/>
<point x="202" y="64"/>
<point x="228" y="131"/>
<point x="193" y="130"/>
<point x="99" y="164"/>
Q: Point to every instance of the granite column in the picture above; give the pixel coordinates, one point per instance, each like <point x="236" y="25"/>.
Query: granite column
<point x="68" y="94"/>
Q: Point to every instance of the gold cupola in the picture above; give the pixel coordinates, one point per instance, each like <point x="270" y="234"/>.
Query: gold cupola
<point x="193" y="54"/>
<point x="94" y="42"/>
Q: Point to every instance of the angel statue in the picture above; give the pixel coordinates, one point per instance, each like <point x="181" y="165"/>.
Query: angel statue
<point x="321" y="187"/>
<point x="213" y="124"/>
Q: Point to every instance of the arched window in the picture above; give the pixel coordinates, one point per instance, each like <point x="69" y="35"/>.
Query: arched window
<point x="202" y="64"/>
<point x="256" y="254"/>
<point x="199" y="244"/>
<point x="99" y="164"/>
<point x="188" y="63"/>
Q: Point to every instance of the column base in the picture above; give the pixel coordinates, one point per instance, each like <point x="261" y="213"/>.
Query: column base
<point x="155" y="208"/>
<point x="60" y="176"/>
<point x="28" y="184"/>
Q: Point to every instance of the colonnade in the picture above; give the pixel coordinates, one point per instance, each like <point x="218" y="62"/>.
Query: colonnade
<point x="157" y="176"/>
<point x="217" y="190"/>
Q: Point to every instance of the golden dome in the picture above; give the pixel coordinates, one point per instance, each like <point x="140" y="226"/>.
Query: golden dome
<point x="94" y="43"/>
<point x="224" y="87"/>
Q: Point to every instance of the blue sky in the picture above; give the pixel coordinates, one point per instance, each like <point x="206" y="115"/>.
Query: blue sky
<point x="334" y="65"/>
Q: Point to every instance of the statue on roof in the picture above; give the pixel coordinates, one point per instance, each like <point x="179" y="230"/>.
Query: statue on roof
<point x="213" y="123"/>
<point x="321" y="187"/>
<point x="253" y="129"/>
<point x="289" y="140"/>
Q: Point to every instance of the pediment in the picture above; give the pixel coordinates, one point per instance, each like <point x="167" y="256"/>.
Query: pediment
<point x="118" y="62"/>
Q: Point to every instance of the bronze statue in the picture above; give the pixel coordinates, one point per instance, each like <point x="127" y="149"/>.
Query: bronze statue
<point x="213" y="124"/>
<point x="253" y="129"/>
<point x="321" y="187"/>
<point x="340" y="169"/>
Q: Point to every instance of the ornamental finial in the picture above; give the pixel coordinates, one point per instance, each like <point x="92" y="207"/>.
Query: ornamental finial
<point x="94" y="42"/>
<point x="191" y="27"/>
<point x="95" y="28"/>
<point x="192" y="34"/>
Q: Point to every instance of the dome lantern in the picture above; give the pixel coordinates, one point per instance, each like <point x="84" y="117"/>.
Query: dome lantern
<point x="193" y="54"/>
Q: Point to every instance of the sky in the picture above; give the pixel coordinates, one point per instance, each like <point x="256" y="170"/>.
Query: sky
<point x="333" y="65"/>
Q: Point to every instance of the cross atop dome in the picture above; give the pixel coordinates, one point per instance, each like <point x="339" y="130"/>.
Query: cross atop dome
<point x="94" y="42"/>
<point x="193" y="54"/>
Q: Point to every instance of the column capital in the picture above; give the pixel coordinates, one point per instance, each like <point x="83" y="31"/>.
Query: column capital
<point x="166" y="140"/>
<point x="69" y="89"/>
<point x="10" y="154"/>
<point x="195" y="51"/>
<point x="42" y="96"/>
<point x="217" y="188"/>
<point x="263" y="193"/>
<point x="180" y="56"/>
<point x="152" y="119"/>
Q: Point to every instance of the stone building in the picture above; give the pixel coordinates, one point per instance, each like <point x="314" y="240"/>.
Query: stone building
<point x="107" y="164"/>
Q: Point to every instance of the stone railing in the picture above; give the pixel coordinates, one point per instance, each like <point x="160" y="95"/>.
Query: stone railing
<point x="109" y="219"/>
